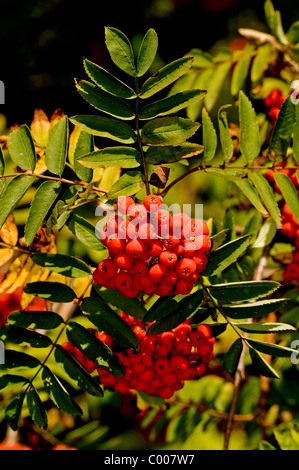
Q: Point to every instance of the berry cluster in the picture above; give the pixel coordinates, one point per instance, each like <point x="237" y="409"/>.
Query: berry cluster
<point x="163" y="362"/>
<point x="290" y="226"/>
<point x="151" y="250"/>
<point x="273" y="103"/>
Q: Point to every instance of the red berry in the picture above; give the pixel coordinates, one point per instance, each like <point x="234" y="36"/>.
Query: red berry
<point x="179" y="363"/>
<point x="107" y="269"/>
<point x="168" y="259"/>
<point x="182" y="332"/>
<point x="206" y="330"/>
<point x="123" y="281"/>
<point x="166" y="393"/>
<point x="203" y="243"/>
<point x="152" y="203"/>
<point x="135" y="248"/>
<point x="115" y="244"/>
<point x="184" y="287"/>
<point x="158" y="273"/>
<point x="123" y="261"/>
<point x="197" y="338"/>
<point x="185" y="268"/>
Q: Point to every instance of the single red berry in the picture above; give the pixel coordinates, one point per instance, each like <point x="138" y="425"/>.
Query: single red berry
<point x="182" y="332"/>
<point x="98" y="279"/>
<point x="179" y="363"/>
<point x="203" y="243"/>
<point x="206" y="330"/>
<point x="147" y="375"/>
<point x="185" y="268"/>
<point x="154" y="247"/>
<point x="205" y="349"/>
<point x="168" y="338"/>
<point x="140" y="269"/>
<point x="189" y="374"/>
<point x="123" y="281"/>
<point x="107" y="269"/>
<point x="183" y="347"/>
<point x="152" y="203"/>
<point x="115" y="244"/>
<point x="123" y="261"/>
<point x="135" y="248"/>
<point x="150" y="343"/>
<point x="168" y="259"/>
<point x="200" y="260"/>
<point x="200" y="369"/>
<point x="171" y="242"/>
<point x="163" y="350"/>
<point x="158" y="273"/>
<point x="147" y="232"/>
<point x="170" y="379"/>
<point x="105" y="338"/>
<point x="197" y="338"/>
<point x="162" y="366"/>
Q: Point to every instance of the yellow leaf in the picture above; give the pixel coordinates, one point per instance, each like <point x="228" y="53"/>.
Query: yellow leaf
<point x="72" y="143"/>
<point x="17" y="274"/>
<point x="82" y="286"/>
<point x="5" y="255"/>
<point x="9" y="231"/>
<point x="40" y="127"/>
<point x="110" y="176"/>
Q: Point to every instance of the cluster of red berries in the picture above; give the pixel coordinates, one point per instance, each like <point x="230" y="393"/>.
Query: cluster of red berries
<point x="151" y="250"/>
<point x="290" y="226"/>
<point x="273" y="103"/>
<point x="162" y="364"/>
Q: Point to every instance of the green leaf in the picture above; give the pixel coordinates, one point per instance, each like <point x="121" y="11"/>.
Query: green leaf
<point x="171" y="104"/>
<point x="126" y="157"/>
<point x="13" y="411"/>
<point x="240" y="74"/>
<point x="261" y="365"/>
<point x="266" y="234"/>
<point x="131" y="306"/>
<point x="85" y="232"/>
<point x="42" y="202"/>
<point x="13" y="194"/>
<point x="35" y="320"/>
<point x="262" y="328"/>
<point x="105" y="127"/>
<point x="252" y="195"/>
<point x="16" y="359"/>
<point x="260" y="308"/>
<point x="216" y="84"/>
<point x="245" y="290"/>
<point x="260" y="64"/>
<point x="107" y="82"/>
<point x="209" y="137"/>
<point x="296" y="137"/>
<point x="283" y="128"/>
<point x="93" y="348"/>
<point x="52" y="291"/>
<point x="271" y="348"/>
<point x="147" y="52"/>
<point x="63" y="264"/>
<point x="168" y="131"/>
<point x="226" y="255"/>
<point x="104" y="318"/>
<point x="232" y="357"/>
<point x="21" y="148"/>
<point x="10" y="381"/>
<point x="2" y="162"/>
<point x="293" y="33"/>
<point x="184" y="309"/>
<point x="230" y="174"/>
<point x="56" y="149"/>
<point x="16" y="335"/>
<point x="225" y="136"/>
<point x="165" y="76"/>
<point x="250" y="142"/>
<point x="36" y="408"/>
<point x="202" y="59"/>
<point x="266" y="193"/>
<point x="120" y="50"/>
<point x="128" y="184"/>
<point x="171" y="154"/>
<point x="104" y="101"/>
<point x="58" y="394"/>
<point x="84" y="145"/>
<point x="289" y="192"/>
<point x="76" y="372"/>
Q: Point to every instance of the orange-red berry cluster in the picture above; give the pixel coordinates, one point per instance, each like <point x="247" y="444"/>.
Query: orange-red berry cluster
<point x="152" y="251"/>
<point x="273" y="103"/>
<point x="290" y="226"/>
<point x="162" y="364"/>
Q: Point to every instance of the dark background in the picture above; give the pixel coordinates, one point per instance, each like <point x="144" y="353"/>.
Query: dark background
<point x="43" y="42"/>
